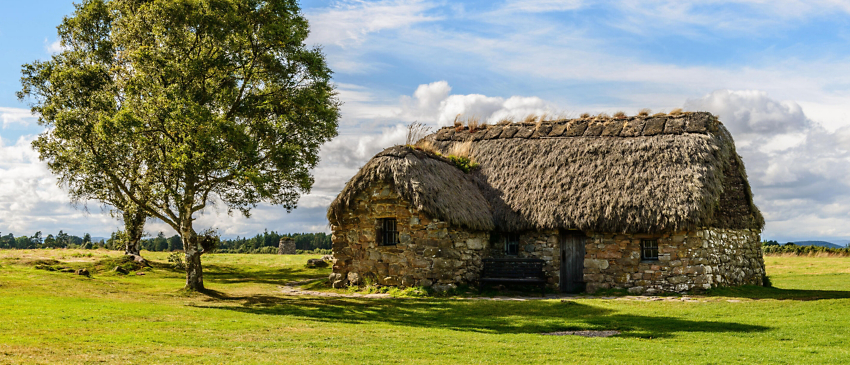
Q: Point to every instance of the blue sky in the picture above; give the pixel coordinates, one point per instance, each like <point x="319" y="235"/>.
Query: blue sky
<point x="776" y="72"/>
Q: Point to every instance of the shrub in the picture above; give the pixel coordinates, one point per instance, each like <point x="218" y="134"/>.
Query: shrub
<point x="176" y="259"/>
<point x="266" y="250"/>
<point x="793" y="249"/>
<point x="318" y="251"/>
<point x="463" y="163"/>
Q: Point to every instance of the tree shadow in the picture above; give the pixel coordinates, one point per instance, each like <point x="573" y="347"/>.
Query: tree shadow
<point x="484" y="316"/>
<point x="276" y="276"/>
<point x="760" y="292"/>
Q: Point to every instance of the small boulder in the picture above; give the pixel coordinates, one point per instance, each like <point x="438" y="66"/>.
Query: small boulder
<point x="140" y="273"/>
<point x="316" y="263"/>
<point x="327" y="258"/>
<point x="83" y="272"/>
<point x="353" y="278"/>
<point x="120" y="270"/>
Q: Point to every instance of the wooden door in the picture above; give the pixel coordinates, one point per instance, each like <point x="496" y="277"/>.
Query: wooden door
<point x="572" y="262"/>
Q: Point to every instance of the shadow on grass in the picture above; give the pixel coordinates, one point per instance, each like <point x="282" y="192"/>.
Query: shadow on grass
<point x="484" y="316"/>
<point x="224" y="274"/>
<point x="275" y="276"/>
<point x="760" y="292"/>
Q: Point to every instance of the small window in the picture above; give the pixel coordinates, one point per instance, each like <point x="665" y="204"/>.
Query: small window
<point x="387" y="232"/>
<point x="649" y="249"/>
<point x="512" y="244"/>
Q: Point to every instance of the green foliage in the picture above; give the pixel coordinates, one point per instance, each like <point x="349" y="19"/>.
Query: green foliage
<point x="303" y="241"/>
<point x="791" y="248"/>
<point x="317" y="251"/>
<point x="176" y="260"/>
<point x="266" y="250"/>
<point x="161" y="106"/>
<point x="463" y="163"/>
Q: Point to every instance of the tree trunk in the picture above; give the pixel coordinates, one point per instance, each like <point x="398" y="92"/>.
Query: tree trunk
<point x="134" y="224"/>
<point x="194" y="271"/>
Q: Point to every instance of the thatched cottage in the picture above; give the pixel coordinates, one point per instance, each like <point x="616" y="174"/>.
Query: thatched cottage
<point x="644" y="203"/>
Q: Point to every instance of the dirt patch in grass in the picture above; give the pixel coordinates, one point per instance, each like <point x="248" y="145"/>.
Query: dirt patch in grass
<point x="586" y="333"/>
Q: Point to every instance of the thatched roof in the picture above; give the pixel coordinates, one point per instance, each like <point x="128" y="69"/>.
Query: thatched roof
<point x="631" y="175"/>
<point x="431" y="183"/>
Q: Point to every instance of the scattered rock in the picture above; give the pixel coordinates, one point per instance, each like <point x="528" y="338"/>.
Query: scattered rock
<point x="83" y="272"/>
<point x="328" y="258"/>
<point x="353" y="278"/>
<point x="139" y="259"/>
<point x="443" y="287"/>
<point x="120" y="270"/>
<point x="636" y="290"/>
<point x="140" y="273"/>
<point x="316" y="263"/>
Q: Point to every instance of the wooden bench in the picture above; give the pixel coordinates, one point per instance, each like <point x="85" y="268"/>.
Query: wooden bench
<point x="514" y="271"/>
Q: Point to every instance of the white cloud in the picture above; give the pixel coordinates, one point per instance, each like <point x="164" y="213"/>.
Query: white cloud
<point x="31" y="201"/>
<point x="538" y="6"/>
<point x="799" y="171"/>
<point x="15" y="115"/>
<point x="349" y="22"/>
<point x="53" y="47"/>
<point x="752" y="112"/>
<point x="432" y="103"/>
<point x="748" y="16"/>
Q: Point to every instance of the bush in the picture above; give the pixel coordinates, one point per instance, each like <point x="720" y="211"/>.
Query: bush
<point x="266" y="250"/>
<point x="318" y="251"/>
<point x="463" y="163"/>
<point x="176" y="259"/>
<point x="804" y="250"/>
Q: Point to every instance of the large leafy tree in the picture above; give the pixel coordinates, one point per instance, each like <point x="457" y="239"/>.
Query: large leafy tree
<point x="74" y="92"/>
<point x="197" y="102"/>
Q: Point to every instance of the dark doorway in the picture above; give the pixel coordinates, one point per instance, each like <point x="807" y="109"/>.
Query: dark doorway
<point x="572" y="261"/>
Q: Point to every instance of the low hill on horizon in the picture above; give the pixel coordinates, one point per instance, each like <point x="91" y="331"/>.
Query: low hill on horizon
<point x="818" y="243"/>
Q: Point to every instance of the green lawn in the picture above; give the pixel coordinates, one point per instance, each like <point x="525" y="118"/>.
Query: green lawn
<point x="55" y="317"/>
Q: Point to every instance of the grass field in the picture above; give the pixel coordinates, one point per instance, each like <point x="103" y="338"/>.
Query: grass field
<point x="56" y="317"/>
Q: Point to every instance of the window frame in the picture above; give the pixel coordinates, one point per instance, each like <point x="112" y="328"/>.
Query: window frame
<point x="648" y="246"/>
<point x="387" y="232"/>
<point x="511" y="240"/>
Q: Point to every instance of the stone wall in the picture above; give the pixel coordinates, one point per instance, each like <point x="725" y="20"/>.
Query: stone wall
<point x="693" y="260"/>
<point x="429" y="252"/>
<point x="543" y="245"/>
<point x="286" y="246"/>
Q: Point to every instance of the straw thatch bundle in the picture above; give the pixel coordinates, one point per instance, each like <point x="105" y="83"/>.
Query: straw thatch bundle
<point x="431" y="183"/>
<point x="632" y="175"/>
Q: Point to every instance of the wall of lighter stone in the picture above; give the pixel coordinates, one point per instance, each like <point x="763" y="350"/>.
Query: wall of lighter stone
<point x="735" y="255"/>
<point x="429" y="252"/>
<point x="691" y="260"/>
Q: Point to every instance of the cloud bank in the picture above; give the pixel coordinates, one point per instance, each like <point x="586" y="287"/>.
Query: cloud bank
<point x="799" y="171"/>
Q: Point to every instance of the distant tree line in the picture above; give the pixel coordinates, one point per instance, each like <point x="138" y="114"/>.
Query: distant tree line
<point x="266" y="242"/>
<point x="38" y="240"/>
<point x="773" y="247"/>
